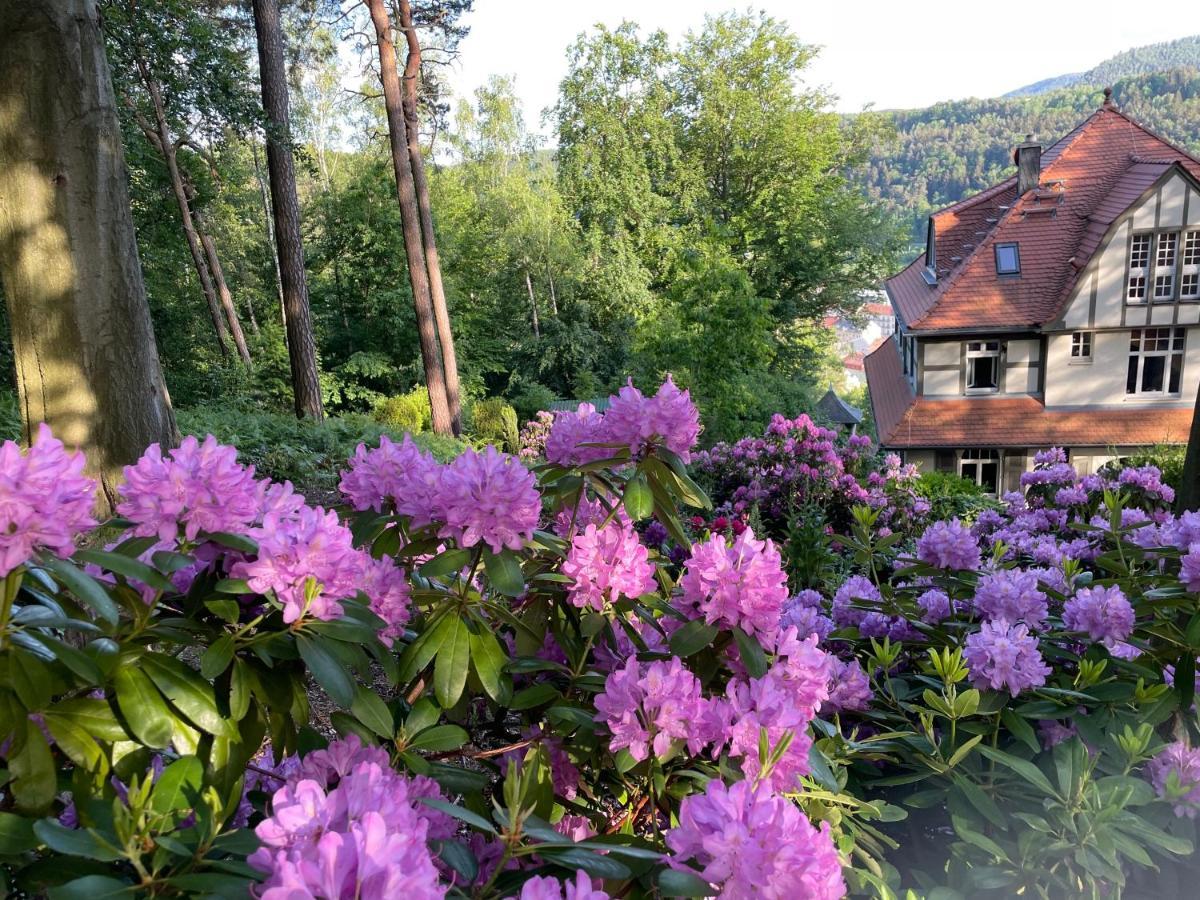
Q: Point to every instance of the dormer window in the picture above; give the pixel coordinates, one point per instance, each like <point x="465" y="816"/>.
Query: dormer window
<point x="983" y="367"/>
<point x="1008" y="259"/>
<point x="930" y="273"/>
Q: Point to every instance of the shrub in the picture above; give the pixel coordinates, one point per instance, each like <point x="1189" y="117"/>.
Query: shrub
<point x="530" y="398"/>
<point x="493" y="421"/>
<point x="525" y="690"/>
<point x="952" y="497"/>
<point x="284" y="448"/>
<point x="407" y="412"/>
<point x="1167" y="458"/>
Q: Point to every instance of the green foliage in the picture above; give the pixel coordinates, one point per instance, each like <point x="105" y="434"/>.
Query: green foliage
<point x="308" y="454"/>
<point x="493" y="421"/>
<point x="952" y="497"/>
<point x="409" y="412"/>
<point x="10" y="417"/>
<point x="1168" y="458"/>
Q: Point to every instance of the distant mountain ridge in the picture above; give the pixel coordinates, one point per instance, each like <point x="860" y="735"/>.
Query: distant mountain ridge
<point x="1136" y="61"/>
<point x="948" y="151"/>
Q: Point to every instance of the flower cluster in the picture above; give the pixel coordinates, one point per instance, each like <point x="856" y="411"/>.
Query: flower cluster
<point x="200" y="487"/>
<point x="1011" y="595"/>
<point x="648" y="708"/>
<point x="1005" y="657"/>
<point x="573" y="433"/>
<point x="45" y="500"/>
<point x="534" y="435"/>
<point x="346" y="825"/>
<point x="750" y="842"/>
<point x="738" y="585"/>
<point x="949" y="545"/>
<point x="487" y="497"/>
<point x="796" y="463"/>
<point x="605" y="564"/>
<point x="1175" y="774"/>
<point x="1102" y="612"/>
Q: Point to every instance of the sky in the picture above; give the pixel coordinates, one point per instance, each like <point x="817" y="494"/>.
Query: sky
<point x="887" y="54"/>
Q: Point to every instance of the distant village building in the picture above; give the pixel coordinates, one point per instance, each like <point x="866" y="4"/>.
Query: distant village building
<point x="854" y="340"/>
<point x="839" y="412"/>
<point x="1060" y="307"/>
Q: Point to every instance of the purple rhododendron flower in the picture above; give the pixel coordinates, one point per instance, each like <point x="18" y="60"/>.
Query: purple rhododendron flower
<point x="647" y="709"/>
<point x="1103" y="612"/>
<point x="1189" y="571"/>
<point x="200" y="486"/>
<point x="948" y="545"/>
<point x="739" y="585"/>
<point x="751" y="842"/>
<point x="573" y="429"/>
<point x="857" y="589"/>
<point x="390" y="596"/>
<point x="605" y="564"/>
<point x="849" y="688"/>
<point x="1175" y="774"/>
<point x="1005" y="657"/>
<point x="488" y="498"/>
<point x="935" y="606"/>
<point x="1011" y="595"/>
<point x="803" y="612"/>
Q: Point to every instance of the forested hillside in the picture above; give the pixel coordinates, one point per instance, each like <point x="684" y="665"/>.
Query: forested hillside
<point x="1182" y="53"/>
<point x="947" y="151"/>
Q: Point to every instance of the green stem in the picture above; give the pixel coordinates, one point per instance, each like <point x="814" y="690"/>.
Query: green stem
<point x="12" y="584"/>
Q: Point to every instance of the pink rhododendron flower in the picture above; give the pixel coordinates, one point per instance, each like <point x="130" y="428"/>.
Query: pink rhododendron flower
<point x="488" y="498"/>
<point x="1189" y="570"/>
<point x="387" y="589"/>
<point x="668" y="418"/>
<point x="1005" y="657"/>
<point x="740" y="585"/>
<point x="1102" y="612"/>
<point x="606" y="564"/>
<point x="768" y="703"/>
<point x="1175" y="774"/>
<point x="752" y="843"/>
<point x="573" y="429"/>
<point x="200" y="486"/>
<point x="312" y="554"/>
<point x="647" y="708"/>
<point x="402" y="475"/>
<point x="45" y="500"/>
<point x="366" y="836"/>
<point x="543" y="887"/>
<point x="569" y="522"/>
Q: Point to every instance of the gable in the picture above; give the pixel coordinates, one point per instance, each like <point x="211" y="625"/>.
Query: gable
<point x="1097" y="296"/>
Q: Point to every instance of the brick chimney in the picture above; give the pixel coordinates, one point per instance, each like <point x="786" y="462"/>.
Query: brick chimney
<point x="1028" y="157"/>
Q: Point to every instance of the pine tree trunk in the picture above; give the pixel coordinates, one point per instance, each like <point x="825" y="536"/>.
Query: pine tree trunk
<point x="441" y="314"/>
<point x="86" y="360"/>
<point x="418" y="272"/>
<point x="302" y="349"/>
<point x="222" y="289"/>
<point x="537" y="331"/>
<point x="274" y="250"/>
<point x="170" y="155"/>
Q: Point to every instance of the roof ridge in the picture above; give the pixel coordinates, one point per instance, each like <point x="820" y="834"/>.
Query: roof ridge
<point x="1154" y="134"/>
<point x="985" y="194"/>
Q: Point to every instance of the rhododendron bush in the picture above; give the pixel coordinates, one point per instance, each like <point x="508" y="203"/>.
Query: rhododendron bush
<point x="568" y="677"/>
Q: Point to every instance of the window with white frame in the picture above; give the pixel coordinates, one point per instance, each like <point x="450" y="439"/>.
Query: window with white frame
<point x="1139" y="268"/>
<point x="1081" y="346"/>
<point x="1189" y="273"/>
<point x="1155" y="362"/>
<point x="1164" y="266"/>
<point x="983" y="366"/>
<point x="981" y="467"/>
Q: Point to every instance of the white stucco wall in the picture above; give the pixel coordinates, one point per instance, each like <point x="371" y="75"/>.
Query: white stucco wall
<point x="1101" y="382"/>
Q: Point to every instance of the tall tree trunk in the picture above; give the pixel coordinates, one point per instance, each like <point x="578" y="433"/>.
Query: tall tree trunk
<point x="418" y="273"/>
<point x="412" y="74"/>
<point x="537" y="331"/>
<point x="1189" y="492"/>
<point x="170" y="156"/>
<point x="222" y="289"/>
<point x="553" y="295"/>
<point x="302" y="349"/>
<point x="270" y="223"/>
<point x="86" y="360"/>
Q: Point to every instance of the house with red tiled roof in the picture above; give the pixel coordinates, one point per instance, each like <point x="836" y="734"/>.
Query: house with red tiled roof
<point x="1060" y="307"/>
